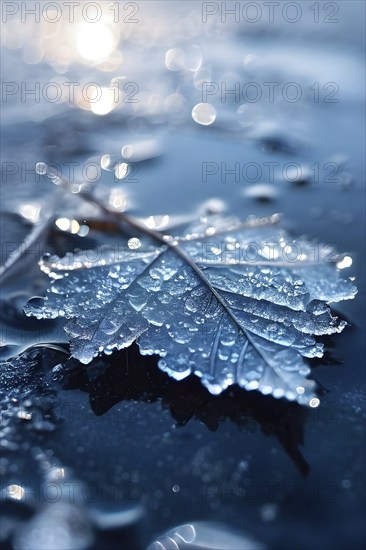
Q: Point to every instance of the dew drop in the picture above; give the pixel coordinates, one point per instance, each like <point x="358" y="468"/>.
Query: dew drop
<point x="41" y="168"/>
<point x="344" y="263"/>
<point x="314" y="402"/>
<point x="121" y="170"/>
<point x="204" y="113"/>
<point x="261" y="192"/>
<point x="133" y="243"/>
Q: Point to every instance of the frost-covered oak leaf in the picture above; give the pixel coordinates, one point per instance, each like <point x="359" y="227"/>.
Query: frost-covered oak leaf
<point x="229" y="302"/>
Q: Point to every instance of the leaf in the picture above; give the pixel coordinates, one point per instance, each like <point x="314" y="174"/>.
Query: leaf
<point x="232" y="303"/>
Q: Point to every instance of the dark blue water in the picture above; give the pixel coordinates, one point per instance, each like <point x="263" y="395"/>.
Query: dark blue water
<point x="122" y="434"/>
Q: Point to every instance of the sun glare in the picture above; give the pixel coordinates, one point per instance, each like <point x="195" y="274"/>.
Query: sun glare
<point x="94" y="41"/>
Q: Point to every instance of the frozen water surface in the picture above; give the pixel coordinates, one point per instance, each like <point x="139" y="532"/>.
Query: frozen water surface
<point x="145" y="448"/>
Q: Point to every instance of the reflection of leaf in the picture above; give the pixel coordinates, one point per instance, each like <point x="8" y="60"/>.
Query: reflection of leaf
<point x="231" y="303"/>
<point x="127" y="376"/>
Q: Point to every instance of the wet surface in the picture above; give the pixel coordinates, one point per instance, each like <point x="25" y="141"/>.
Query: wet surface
<point x="119" y="446"/>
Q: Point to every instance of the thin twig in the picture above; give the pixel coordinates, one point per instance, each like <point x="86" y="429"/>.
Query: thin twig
<point x="152" y="233"/>
<point x="20" y="252"/>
